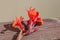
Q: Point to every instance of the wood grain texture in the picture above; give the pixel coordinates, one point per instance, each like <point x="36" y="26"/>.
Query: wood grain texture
<point x="50" y="30"/>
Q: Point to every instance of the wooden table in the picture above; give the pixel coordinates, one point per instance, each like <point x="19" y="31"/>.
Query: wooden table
<point x="50" y="30"/>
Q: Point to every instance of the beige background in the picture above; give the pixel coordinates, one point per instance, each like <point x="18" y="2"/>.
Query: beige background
<point x="11" y="8"/>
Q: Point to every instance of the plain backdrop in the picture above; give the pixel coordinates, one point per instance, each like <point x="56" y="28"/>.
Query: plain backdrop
<point x="11" y="8"/>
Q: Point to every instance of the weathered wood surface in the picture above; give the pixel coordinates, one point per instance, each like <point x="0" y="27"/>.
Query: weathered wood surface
<point x="50" y="30"/>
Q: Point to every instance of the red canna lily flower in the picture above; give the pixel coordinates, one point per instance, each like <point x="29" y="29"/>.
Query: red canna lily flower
<point x="33" y="15"/>
<point x="33" y="18"/>
<point x="18" y="23"/>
